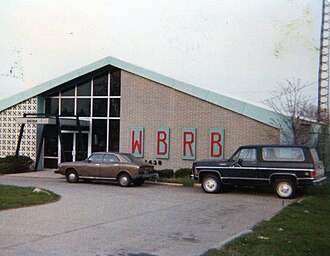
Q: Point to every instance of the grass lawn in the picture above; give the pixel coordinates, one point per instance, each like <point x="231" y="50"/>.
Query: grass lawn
<point x="16" y="197"/>
<point x="303" y="228"/>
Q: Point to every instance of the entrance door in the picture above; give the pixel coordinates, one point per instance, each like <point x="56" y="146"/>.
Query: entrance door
<point x="73" y="150"/>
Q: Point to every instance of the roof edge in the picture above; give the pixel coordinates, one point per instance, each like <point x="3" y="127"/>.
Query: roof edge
<point x="257" y="113"/>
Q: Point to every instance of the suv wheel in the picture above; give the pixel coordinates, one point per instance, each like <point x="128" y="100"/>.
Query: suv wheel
<point x="124" y="180"/>
<point x="72" y="176"/>
<point x="285" y="188"/>
<point x="211" y="184"/>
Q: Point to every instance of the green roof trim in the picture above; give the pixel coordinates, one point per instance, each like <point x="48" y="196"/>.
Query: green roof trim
<point x="257" y="113"/>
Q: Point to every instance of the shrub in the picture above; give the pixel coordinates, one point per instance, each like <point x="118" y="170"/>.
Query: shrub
<point x="165" y="173"/>
<point x="183" y="172"/>
<point x="9" y="164"/>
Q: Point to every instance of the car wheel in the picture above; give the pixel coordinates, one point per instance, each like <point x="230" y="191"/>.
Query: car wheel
<point x="138" y="182"/>
<point x="72" y="176"/>
<point x="211" y="184"/>
<point x="124" y="180"/>
<point x="285" y="188"/>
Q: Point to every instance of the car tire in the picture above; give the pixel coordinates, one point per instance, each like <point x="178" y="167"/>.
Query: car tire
<point x="124" y="180"/>
<point x="211" y="184"/>
<point x="138" y="182"/>
<point x="285" y="188"/>
<point x="72" y="176"/>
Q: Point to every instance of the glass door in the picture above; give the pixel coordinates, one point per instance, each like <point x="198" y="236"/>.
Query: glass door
<point x="67" y="147"/>
<point x="75" y="147"/>
<point x="81" y="146"/>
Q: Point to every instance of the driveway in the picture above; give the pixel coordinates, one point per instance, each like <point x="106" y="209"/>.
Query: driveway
<point x="105" y="219"/>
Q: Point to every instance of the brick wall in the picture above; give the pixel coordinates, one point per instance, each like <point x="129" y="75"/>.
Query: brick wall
<point x="147" y="104"/>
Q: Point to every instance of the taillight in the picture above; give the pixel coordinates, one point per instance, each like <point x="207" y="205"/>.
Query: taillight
<point x="313" y="173"/>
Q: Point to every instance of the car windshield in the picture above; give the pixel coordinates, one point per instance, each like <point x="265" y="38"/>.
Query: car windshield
<point x="130" y="158"/>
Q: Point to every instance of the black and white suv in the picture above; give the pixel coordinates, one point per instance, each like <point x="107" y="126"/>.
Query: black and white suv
<point x="283" y="167"/>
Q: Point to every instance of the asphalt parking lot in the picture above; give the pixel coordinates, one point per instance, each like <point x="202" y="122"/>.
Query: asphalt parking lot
<point x="106" y="219"/>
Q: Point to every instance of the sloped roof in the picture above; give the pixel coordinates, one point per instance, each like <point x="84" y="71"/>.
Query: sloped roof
<point x="240" y="107"/>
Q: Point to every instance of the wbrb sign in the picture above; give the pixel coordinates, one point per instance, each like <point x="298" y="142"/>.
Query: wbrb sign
<point x="188" y="143"/>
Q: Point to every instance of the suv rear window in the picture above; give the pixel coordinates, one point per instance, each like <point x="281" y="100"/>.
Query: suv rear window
<point x="283" y="154"/>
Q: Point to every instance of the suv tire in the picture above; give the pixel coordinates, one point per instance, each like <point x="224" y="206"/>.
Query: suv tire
<point x="211" y="183"/>
<point x="285" y="188"/>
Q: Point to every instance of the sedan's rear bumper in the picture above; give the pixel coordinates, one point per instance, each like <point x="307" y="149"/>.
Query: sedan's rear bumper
<point x="57" y="171"/>
<point x="146" y="176"/>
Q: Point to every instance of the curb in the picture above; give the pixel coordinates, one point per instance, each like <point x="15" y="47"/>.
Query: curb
<point x="229" y="239"/>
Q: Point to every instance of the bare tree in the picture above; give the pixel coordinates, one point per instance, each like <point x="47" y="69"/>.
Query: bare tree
<point x="295" y="111"/>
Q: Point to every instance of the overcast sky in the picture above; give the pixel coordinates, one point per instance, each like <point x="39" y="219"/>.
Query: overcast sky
<point x="239" y="48"/>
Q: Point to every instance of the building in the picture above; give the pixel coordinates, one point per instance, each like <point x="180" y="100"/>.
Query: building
<point x="123" y="107"/>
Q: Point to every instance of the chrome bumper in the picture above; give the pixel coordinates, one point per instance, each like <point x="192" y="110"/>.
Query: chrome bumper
<point x="320" y="181"/>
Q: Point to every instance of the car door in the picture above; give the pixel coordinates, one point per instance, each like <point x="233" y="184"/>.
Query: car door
<point x="245" y="169"/>
<point x="110" y="166"/>
<point x="91" y="167"/>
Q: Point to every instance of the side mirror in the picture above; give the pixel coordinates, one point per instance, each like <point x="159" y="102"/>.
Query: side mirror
<point x="240" y="161"/>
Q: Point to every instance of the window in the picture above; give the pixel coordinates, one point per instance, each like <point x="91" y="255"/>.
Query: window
<point x="246" y="154"/>
<point x="84" y="88"/>
<point x="51" y="106"/>
<point x="100" y="107"/>
<point x="67" y="107"/>
<point x="99" y="131"/>
<point x="83" y="107"/>
<point x="110" y="159"/>
<point x="51" y="141"/>
<point x="283" y="154"/>
<point x="97" y="158"/>
<point x="68" y="91"/>
<point x="114" y="107"/>
<point x="114" y="128"/>
<point x="115" y="83"/>
<point x="101" y="85"/>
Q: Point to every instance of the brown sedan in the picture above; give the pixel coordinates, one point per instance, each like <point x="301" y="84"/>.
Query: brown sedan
<point x="121" y="167"/>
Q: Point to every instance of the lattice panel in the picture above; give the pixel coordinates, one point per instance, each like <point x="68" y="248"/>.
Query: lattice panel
<point x="9" y="130"/>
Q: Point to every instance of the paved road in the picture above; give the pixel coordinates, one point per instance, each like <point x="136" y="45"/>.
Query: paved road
<point x="105" y="219"/>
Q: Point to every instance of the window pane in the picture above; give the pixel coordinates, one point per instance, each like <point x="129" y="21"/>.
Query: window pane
<point x="283" y="154"/>
<point x="51" y="106"/>
<point x="114" y="129"/>
<point x="68" y="91"/>
<point x="50" y="163"/>
<point x="99" y="131"/>
<point x="81" y="146"/>
<point x="101" y="85"/>
<point x="247" y="154"/>
<point x="100" y="107"/>
<point x="51" y="141"/>
<point x="67" y="107"/>
<point x="109" y="158"/>
<point x="115" y="83"/>
<point x="96" y="158"/>
<point x="115" y="107"/>
<point x="84" y="88"/>
<point x="83" y="107"/>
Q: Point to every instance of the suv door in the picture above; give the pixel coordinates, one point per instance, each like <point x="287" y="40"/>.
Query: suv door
<point x="245" y="169"/>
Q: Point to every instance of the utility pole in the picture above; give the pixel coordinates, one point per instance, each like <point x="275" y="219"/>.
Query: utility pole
<point x="323" y="84"/>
